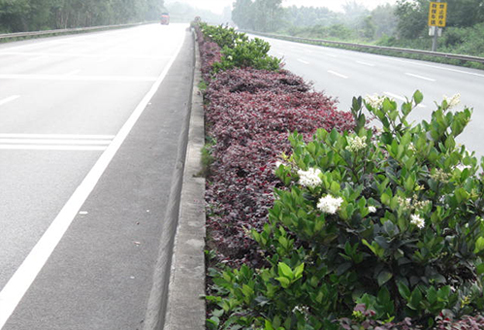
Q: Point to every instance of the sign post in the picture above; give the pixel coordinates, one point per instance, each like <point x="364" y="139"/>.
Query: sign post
<point x="437" y="20"/>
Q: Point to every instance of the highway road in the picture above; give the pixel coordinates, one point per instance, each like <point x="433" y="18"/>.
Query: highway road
<point x="84" y="133"/>
<point x="343" y="74"/>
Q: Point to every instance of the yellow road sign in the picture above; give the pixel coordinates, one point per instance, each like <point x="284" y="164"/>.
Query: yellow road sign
<point x="437" y="14"/>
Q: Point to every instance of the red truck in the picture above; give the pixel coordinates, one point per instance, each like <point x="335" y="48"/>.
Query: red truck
<point x="165" y="19"/>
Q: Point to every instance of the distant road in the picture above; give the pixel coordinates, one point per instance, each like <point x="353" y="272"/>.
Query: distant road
<point x="68" y="109"/>
<point x="343" y="74"/>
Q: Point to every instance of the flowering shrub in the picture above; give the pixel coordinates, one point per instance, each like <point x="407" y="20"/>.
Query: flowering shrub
<point x="238" y="51"/>
<point x="249" y="116"/>
<point x="394" y="223"/>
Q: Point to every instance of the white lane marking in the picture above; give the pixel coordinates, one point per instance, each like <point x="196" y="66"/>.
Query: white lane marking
<point x="331" y="55"/>
<point x="395" y="96"/>
<point x="50" y="148"/>
<point x="9" y="99"/>
<point x="25" y="275"/>
<point x="77" y="78"/>
<point x="71" y="73"/>
<point x="53" y="141"/>
<point x="365" y="63"/>
<point x="438" y="67"/>
<point x="419" y="77"/>
<point x="401" y="98"/>
<point x="39" y="56"/>
<point x="338" y="74"/>
<point x="303" y="61"/>
<point x="55" y="136"/>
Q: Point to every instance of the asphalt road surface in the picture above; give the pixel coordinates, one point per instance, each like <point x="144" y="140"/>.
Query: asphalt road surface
<point x="343" y="74"/>
<point x="88" y="150"/>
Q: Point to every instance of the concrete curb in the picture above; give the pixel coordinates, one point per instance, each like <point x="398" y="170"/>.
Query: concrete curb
<point x="185" y="307"/>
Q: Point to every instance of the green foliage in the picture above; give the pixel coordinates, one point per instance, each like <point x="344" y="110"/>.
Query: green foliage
<point x="258" y="15"/>
<point x="22" y="15"/>
<point x="391" y="220"/>
<point x="238" y="51"/>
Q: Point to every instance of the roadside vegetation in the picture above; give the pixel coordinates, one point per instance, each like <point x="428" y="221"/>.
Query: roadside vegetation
<point x="403" y="25"/>
<point x="25" y="15"/>
<point x="316" y="221"/>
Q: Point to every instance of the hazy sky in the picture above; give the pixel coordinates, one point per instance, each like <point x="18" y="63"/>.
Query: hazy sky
<point x="217" y="6"/>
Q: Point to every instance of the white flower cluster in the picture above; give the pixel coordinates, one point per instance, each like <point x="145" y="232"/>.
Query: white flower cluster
<point x="310" y="178"/>
<point x="356" y="143"/>
<point x="417" y="221"/>
<point x="329" y="204"/>
<point x="371" y="209"/>
<point x="452" y="101"/>
<point x="462" y="167"/>
<point x="374" y="101"/>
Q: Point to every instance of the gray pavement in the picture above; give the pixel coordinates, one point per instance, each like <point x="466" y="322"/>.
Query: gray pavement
<point x="112" y="268"/>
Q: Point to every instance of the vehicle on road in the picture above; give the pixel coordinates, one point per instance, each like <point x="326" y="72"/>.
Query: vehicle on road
<point x="165" y="19"/>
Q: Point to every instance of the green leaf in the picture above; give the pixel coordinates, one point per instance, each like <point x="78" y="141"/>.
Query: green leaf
<point x="479" y="245"/>
<point x="384" y="277"/>
<point x="403" y="290"/>
<point x="417" y="97"/>
<point x="285" y="271"/>
<point x="284" y="282"/>
<point x="415" y="299"/>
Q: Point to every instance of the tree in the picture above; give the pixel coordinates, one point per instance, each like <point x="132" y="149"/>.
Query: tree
<point x="25" y="15"/>
<point x="243" y="14"/>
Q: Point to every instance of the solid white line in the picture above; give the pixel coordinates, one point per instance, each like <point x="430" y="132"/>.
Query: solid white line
<point x="9" y="99"/>
<point x="338" y="74"/>
<point x="437" y="67"/>
<point x="50" y="147"/>
<point x="331" y="55"/>
<point x="76" y="78"/>
<point x="303" y="61"/>
<point x="23" y="278"/>
<point x="419" y="77"/>
<point x="55" y="136"/>
<point x="54" y="141"/>
<point x="365" y="63"/>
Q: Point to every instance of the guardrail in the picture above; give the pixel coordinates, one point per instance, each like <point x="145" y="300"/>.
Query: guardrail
<point x="391" y="49"/>
<point x="62" y="31"/>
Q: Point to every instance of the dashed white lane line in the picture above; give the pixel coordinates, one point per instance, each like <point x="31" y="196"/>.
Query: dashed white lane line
<point x="338" y="74"/>
<point x="302" y="61"/>
<point x="9" y="99"/>
<point x="331" y="55"/>
<point x="58" y="142"/>
<point x="365" y="63"/>
<point x="401" y="98"/>
<point x="395" y="96"/>
<point x="420" y="77"/>
<point x="20" y="282"/>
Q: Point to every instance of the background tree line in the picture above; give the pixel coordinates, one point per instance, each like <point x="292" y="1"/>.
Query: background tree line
<point x="402" y="25"/>
<point x="31" y="15"/>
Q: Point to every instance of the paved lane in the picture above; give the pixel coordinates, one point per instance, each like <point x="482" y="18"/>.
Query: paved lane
<point x="63" y="103"/>
<point x="344" y="74"/>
